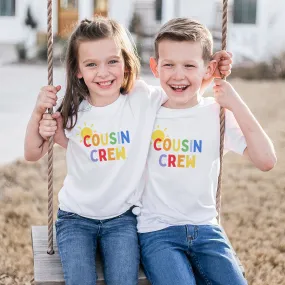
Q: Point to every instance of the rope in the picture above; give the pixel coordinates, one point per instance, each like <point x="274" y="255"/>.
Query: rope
<point x="222" y="115"/>
<point x="50" y="144"/>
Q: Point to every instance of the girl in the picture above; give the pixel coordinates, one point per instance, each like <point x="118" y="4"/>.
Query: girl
<point x="108" y="118"/>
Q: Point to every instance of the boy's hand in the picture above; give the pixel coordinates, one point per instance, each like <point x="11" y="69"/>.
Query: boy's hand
<point x="224" y="63"/>
<point x="46" y="99"/>
<point x="225" y="95"/>
<point x="52" y="125"/>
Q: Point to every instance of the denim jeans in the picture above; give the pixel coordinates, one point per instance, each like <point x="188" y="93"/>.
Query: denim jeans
<point x="180" y="255"/>
<point x="116" y="238"/>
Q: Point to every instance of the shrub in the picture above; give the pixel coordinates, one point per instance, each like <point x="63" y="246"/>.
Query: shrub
<point x="275" y="69"/>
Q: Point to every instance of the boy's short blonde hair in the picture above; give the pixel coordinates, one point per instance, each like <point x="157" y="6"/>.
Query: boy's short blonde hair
<point x="185" y="29"/>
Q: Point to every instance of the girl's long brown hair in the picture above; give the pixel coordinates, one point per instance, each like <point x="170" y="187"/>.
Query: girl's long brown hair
<point x="76" y="89"/>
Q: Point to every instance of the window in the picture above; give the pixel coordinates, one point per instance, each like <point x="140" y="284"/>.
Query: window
<point x="69" y="4"/>
<point x="244" y="11"/>
<point x="158" y="10"/>
<point x="7" y="7"/>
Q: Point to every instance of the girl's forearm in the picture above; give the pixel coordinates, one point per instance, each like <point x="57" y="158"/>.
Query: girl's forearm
<point x="63" y="142"/>
<point x="259" y="146"/>
<point x="35" y="146"/>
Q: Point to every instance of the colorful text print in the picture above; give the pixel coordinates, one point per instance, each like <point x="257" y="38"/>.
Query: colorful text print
<point x="175" y="152"/>
<point x="104" y="146"/>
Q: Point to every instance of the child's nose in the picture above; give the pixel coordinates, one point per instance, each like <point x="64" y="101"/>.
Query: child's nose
<point x="179" y="73"/>
<point x="102" y="71"/>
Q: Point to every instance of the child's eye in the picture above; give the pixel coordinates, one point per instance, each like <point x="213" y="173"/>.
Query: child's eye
<point x="113" y="61"/>
<point x="91" y="64"/>
<point x="189" y="65"/>
<point x="168" y="65"/>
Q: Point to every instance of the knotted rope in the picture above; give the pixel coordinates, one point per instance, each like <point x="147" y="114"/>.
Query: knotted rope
<point x="50" y="143"/>
<point x="222" y="115"/>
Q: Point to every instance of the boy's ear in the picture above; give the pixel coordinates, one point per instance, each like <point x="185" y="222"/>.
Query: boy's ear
<point x="211" y="67"/>
<point x="153" y="66"/>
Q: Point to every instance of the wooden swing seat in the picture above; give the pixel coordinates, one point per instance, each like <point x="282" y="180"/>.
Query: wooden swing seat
<point x="48" y="270"/>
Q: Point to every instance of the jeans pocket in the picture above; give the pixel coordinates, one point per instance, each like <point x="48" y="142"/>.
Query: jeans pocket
<point x="64" y="215"/>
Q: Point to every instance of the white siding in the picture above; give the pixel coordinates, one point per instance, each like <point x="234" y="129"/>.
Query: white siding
<point x="275" y="34"/>
<point x="248" y="42"/>
<point x="13" y="29"/>
<point x="85" y="9"/>
<point x="168" y="10"/>
<point x="202" y="10"/>
<point x="121" y="11"/>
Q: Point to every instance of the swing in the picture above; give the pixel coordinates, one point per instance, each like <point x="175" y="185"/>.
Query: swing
<point x="47" y="265"/>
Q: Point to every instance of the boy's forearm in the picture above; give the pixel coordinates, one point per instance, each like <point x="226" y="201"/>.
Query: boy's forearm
<point x="259" y="146"/>
<point x="35" y="146"/>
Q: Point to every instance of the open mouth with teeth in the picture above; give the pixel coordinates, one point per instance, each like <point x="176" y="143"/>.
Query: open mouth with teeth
<point x="105" y="84"/>
<point x="179" y="88"/>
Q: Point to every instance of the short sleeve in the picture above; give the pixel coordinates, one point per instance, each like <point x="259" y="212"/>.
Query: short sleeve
<point x="234" y="138"/>
<point x="148" y="94"/>
<point x="158" y="92"/>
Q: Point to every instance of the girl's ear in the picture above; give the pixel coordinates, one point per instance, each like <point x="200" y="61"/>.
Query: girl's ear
<point x="153" y="66"/>
<point x="210" y="69"/>
<point x="79" y="75"/>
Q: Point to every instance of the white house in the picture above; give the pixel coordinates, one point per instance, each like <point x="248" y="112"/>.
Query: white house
<point x="254" y="30"/>
<point x="13" y="14"/>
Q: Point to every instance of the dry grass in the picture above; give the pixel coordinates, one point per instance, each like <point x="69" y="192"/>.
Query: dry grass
<point x="253" y="201"/>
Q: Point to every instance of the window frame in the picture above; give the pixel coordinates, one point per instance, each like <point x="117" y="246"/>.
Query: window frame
<point x="158" y="10"/>
<point x="242" y="10"/>
<point x="12" y="8"/>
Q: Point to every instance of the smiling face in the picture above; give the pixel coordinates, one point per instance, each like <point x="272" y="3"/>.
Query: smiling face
<point x="101" y="66"/>
<point x="181" y="70"/>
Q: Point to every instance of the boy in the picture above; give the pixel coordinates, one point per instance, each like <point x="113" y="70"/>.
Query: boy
<point x="181" y="241"/>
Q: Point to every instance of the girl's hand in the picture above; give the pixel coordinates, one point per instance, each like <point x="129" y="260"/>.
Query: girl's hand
<point x="225" y="95"/>
<point x="52" y="125"/>
<point x="46" y="99"/>
<point x="224" y="63"/>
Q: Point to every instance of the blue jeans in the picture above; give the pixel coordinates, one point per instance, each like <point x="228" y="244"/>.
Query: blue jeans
<point x="189" y="255"/>
<point x="117" y="240"/>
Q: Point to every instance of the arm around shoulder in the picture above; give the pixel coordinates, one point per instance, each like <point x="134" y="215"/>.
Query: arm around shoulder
<point x="149" y="94"/>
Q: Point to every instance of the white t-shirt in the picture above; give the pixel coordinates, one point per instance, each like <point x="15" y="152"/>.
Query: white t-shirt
<point x="183" y="166"/>
<point x="107" y="152"/>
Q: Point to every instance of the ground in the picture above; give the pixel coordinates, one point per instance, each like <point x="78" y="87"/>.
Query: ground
<point x="253" y="202"/>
